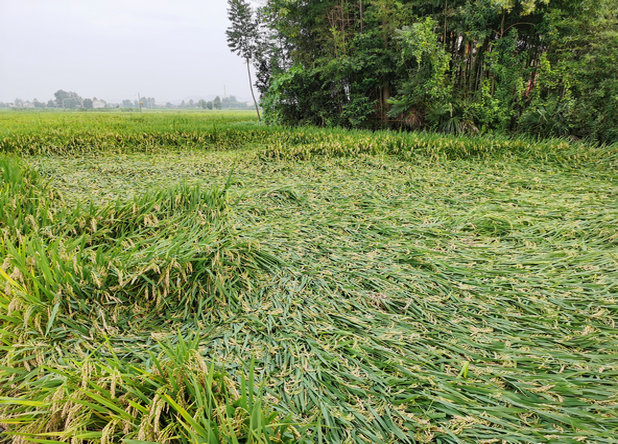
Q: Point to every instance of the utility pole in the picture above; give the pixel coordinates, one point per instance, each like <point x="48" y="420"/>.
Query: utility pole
<point x="139" y="102"/>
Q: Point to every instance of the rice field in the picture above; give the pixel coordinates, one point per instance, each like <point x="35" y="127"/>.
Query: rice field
<point x="201" y="278"/>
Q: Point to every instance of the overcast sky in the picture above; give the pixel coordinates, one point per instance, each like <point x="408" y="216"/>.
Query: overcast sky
<point x="113" y="49"/>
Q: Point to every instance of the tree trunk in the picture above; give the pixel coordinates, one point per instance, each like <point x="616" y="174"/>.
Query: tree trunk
<point x="477" y="70"/>
<point x="257" y="109"/>
<point x="445" y="23"/>
<point x="385" y="95"/>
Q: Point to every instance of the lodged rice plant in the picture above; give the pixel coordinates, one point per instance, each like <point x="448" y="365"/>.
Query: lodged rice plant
<point x="166" y="252"/>
<point x="92" y="271"/>
<point x="342" y="286"/>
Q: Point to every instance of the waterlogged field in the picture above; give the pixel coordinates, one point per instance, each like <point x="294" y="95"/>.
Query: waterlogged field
<point x="189" y="278"/>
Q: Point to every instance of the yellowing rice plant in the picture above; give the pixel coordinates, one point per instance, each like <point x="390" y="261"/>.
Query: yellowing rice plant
<point x="193" y="277"/>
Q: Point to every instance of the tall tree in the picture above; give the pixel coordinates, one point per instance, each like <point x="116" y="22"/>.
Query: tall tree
<point x="217" y="103"/>
<point x="68" y="99"/>
<point x="242" y="37"/>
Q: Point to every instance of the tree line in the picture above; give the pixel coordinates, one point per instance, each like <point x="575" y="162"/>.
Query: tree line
<point x="542" y="67"/>
<point x="72" y="100"/>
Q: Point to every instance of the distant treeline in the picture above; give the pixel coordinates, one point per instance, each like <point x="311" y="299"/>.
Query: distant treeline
<point x="541" y="67"/>
<point x="72" y="100"/>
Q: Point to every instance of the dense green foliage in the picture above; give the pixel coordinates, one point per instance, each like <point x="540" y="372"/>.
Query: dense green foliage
<point x="542" y="67"/>
<point x="196" y="277"/>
